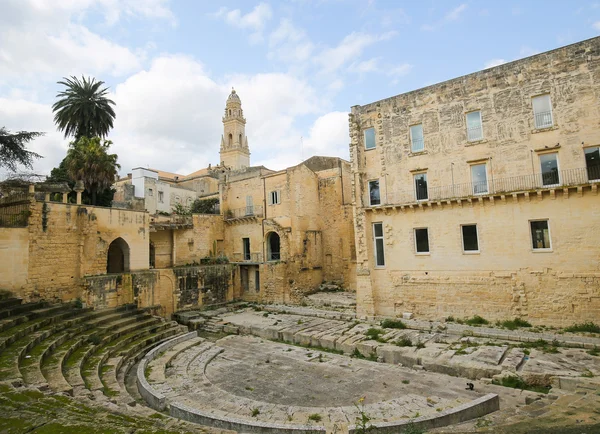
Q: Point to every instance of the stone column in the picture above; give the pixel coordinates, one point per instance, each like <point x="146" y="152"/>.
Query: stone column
<point x="65" y="197"/>
<point x="47" y="197"/>
<point x="79" y="189"/>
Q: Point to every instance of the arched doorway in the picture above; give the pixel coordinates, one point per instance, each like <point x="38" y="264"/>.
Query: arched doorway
<point x="273" y="247"/>
<point x="117" y="260"/>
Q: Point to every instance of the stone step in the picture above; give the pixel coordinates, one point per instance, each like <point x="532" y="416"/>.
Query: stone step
<point x="161" y="364"/>
<point x="7" y="303"/>
<point x="92" y="365"/>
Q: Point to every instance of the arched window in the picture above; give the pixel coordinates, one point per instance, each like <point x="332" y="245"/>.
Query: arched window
<point x="230" y="139"/>
<point x="273" y="247"/>
<point x="240" y="139"/>
<point x="229" y="112"/>
<point x="117" y="260"/>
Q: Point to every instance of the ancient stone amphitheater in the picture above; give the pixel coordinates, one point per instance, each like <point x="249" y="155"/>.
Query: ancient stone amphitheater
<point x="66" y="368"/>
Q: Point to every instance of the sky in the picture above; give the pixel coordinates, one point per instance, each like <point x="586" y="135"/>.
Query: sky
<point x="298" y="66"/>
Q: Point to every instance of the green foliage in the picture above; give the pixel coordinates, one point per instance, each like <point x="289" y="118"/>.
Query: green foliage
<point x="78" y="303"/>
<point x="542" y="345"/>
<point x="255" y="412"/>
<point x="450" y="319"/>
<point x="12" y="149"/>
<point x="356" y="354"/>
<point x="88" y="160"/>
<point x="315" y="417"/>
<point x="513" y="324"/>
<point x="180" y="209"/>
<point x="208" y="260"/>
<point x="420" y="345"/>
<point x="205" y="206"/>
<point x="476" y="321"/>
<point x="518" y="383"/>
<point x="586" y="327"/>
<point x="373" y="333"/>
<point x="594" y="351"/>
<point x="404" y="342"/>
<point x="94" y="339"/>
<point x="392" y="324"/>
<point x="83" y="110"/>
<point x="411" y="428"/>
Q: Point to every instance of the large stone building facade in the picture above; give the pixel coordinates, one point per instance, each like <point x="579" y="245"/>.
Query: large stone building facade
<point x="478" y="195"/>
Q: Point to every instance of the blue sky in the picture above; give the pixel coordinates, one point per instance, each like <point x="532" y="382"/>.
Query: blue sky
<point x="298" y="66"/>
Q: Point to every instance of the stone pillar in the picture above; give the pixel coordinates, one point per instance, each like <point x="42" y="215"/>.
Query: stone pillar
<point x="65" y="197"/>
<point x="47" y="197"/>
<point x="79" y="189"/>
<point x="31" y="188"/>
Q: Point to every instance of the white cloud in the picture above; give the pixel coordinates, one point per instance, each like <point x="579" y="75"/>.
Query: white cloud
<point x="455" y="13"/>
<point x="494" y="62"/>
<point x="289" y="43"/>
<point x="596" y="25"/>
<point x="254" y="20"/>
<point x="351" y="47"/>
<point x="329" y="136"/>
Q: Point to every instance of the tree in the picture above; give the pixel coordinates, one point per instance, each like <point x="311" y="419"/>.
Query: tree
<point x="88" y="160"/>
<point x="12" y="149"/>
<point x="205" y="206"/>
<point x="83" y="109"/>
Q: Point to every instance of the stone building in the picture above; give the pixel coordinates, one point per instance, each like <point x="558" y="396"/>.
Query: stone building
<point x="478" y="195"/>
<point x="278" y="235"/>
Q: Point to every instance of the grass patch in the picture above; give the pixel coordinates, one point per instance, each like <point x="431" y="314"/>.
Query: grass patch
<point x="405" y="381"/>
<point x="594" y="351"/>
<point x="518" y="383"/>
<point x="392" y="324"/>
<point x="476" y="321"/>
<point x="420" y="345"/>
<point x="255" y="412"/>
<point x="542" y="345"/>
<point x="586" y="327"/>
<point x="315" y="417"/>
<point x="513" y="324"/>
<point x="404" y="342"/>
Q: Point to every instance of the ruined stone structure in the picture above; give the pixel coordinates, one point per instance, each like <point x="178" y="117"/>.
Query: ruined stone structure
<point x="478" y="195"/>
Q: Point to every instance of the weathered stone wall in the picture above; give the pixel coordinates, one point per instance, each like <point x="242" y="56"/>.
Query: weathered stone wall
<point x="14" y="258"/>
<point x="203" y="240"/>
<point x="162" y="241"/>
<point x="507" y="277"/>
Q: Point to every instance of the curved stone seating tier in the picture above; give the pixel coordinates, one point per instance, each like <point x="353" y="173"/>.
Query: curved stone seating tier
<point x="214" y="385"/>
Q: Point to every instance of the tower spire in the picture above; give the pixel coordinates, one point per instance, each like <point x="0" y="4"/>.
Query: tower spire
<point x="235" y="153"/>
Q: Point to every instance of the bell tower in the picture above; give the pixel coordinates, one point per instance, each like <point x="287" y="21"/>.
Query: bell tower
<point x="234" y="143"/>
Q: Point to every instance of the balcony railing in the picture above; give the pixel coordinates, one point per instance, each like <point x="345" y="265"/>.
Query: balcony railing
<point x="245" y="212"/>
<point x="543" y="119"/>
<point x="538" y="181"/>
<point x="248" y="257"/>
<point x="475" y="133"/>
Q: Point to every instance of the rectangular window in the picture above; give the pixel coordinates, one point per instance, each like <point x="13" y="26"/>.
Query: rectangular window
<point x="479" y="178"/>
<point x="474" y="127"/>
<point x="549" y="169"/>
<point x="592" y="163"/>
<point x="160" y="196"/>
<point x="274" y="198"/>
<point x="370" y="138"/>
<point x="540" y="234"/>
<point x="374" y="197"/>
<point x="257" y="281"/>
<point x="542" y="111"/>
<point x="378" y="241"/>
<point x="421" y="186"/>
<point x="469" y="238"/>
<point x="246" y="245"/>
<point x="150" y="193"/>
<point x="417" y="143"/>
<point x="422" y="240"/>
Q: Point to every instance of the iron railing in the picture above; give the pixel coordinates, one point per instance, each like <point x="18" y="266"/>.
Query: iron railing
<point x="247" y="257"/>
<point x="543" y="119"/>
<point x="247" y="211"/>
<point x="14" y="210"/>
<point x="538" y="181"/>
<point x="475" y="133"/>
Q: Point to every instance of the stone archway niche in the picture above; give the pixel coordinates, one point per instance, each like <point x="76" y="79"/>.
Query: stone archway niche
<point x="117" y="260"/>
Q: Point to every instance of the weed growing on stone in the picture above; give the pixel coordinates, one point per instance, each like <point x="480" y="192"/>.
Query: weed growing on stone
<point x="373" y="333"/>
<point x="255" y="412"/>
<point x="405" y="381"/>
<point x="266" y="314"/>
<point x="412" y="429"/>
<point x="586" y="327"/>
<point x="588" y="374"/>
<point x="315" y="417"/>
<point x="513" y="324"/>
<point x="420" y="345"/>
<point x="482" y="423"/>
<point x="518" y="383"/>
<point x="300" y="322"/>
<point x="356" y="354"/>
<point x="250" y="389"/>
<point x="450" y="319"/>
<point x="363" y="420"/>
<point x="392" y="324"/>
<point x="594" y="352"/>
<point x="404" y="342"/>
<point x="476" y="321"/>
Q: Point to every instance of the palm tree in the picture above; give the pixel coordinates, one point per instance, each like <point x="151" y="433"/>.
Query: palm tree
<point x="83" y="108"/>
<point x="88" y="160"/>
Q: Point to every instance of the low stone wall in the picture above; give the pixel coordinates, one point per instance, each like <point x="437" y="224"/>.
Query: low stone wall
<point x="155" y="399"/>
<point x="195" y="415"/>
<point x="470" y="410"/>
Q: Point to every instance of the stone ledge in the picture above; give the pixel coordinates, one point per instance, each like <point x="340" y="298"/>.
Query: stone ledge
<point x="194" y="415"/>
<point x="155" y="399"/>
<point x="470" y="410"/>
